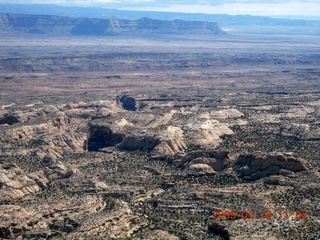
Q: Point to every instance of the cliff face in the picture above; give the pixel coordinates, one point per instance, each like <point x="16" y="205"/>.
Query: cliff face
<point x="40" y="24"/>
<point x="36" y="24"/>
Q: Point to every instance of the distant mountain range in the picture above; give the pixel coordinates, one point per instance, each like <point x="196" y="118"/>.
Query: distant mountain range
<point x="56" y="25"/>
<point x="224" y="20"/>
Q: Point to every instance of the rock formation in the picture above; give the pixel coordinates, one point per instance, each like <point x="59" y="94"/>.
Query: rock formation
<point x="15" y="183"/>
<point x="143" y="26"/>
<point x="200" y="168"/>
<point x="159" y="142"/>
<point x="258" y="165"/>
<point x="172" y="141"/>
<point x="204" y="133"/>
<point x="217" y="160"/>
<point x="55" y="25"/>
<point x="305" y="132"/>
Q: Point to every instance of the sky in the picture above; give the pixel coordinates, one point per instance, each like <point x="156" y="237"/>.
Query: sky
<point x="233" y="7"/>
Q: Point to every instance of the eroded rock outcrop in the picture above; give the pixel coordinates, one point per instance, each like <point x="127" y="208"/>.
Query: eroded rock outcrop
<point x="226" y="113"/>
<point x="139" y="142"/>
<point x="200" y="168"/>
<point x="56" y="170"/>
<point x="259" y="165"/>
<point x="16" y="183"/>
<point x="55" y="218"/>
<point x="172" y="141"/>
<point x="217" y="160"/>
<point x="120" y="224"/>
<point x="16" y="215"/>
<point x="163" y="134"/>
<point x="301" y="131"/>
<point x="57" y="144"/>
<point x="204" y="133"/>
<point x="25" y="132"/>
<point x="204" y="162"/>
<point x="167" y="141"/>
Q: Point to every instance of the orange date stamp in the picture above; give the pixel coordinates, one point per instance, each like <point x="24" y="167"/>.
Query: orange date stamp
<point x="263" y="214"/>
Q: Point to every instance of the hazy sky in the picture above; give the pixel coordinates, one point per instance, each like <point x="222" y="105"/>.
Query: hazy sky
<point x="253" y="7"/>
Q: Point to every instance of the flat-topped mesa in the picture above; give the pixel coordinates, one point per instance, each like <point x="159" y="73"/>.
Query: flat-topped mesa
<point x="57" y="25"/>
<point x="144" y="26"/>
